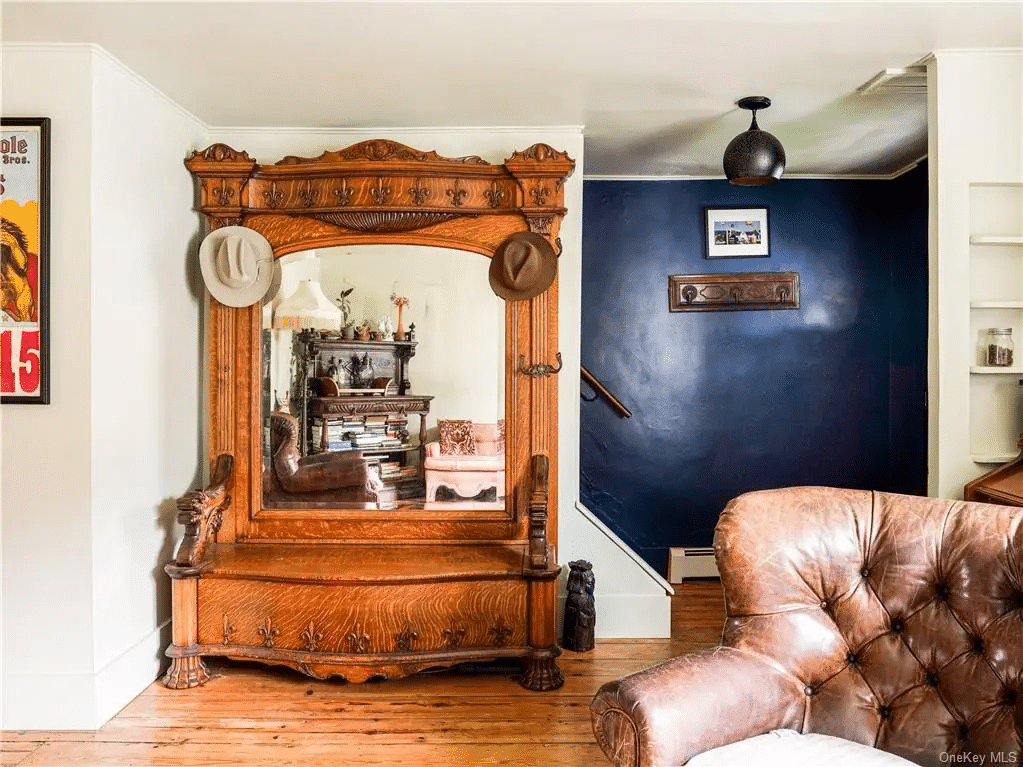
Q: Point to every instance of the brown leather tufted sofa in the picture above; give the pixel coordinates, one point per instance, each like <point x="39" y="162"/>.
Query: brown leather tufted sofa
<point x="890" y="620"/>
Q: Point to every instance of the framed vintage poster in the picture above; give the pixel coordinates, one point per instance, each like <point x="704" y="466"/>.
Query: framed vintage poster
<point x="24" y="273"/>
<point x="736" y="233"/>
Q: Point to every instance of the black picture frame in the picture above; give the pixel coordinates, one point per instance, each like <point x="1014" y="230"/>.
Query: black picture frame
<point x="25" y="233"/>
<point x="736" y="232"/>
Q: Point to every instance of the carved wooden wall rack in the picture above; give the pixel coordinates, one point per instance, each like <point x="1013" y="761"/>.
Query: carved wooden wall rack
<point x="729" y="292"/>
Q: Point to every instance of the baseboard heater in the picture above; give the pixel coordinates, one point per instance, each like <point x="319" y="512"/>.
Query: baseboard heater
<point x="696" y="562"/>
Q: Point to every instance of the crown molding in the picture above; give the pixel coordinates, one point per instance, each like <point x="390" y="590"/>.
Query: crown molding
<point x="99" y="52"/>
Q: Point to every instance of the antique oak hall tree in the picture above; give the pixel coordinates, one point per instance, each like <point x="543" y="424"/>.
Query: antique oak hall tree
<point x="364" y="590"/>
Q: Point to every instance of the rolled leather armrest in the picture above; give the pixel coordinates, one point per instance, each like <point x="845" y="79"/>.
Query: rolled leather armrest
<point x="667" y="714"/>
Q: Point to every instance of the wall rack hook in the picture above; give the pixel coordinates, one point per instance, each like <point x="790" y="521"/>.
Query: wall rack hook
<point x="540" y="369"/>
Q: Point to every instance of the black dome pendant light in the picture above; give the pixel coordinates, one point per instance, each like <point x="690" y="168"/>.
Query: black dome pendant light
<point x="755" y="157"/>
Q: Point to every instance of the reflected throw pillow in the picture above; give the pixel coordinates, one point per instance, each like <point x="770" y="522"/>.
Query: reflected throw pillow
<point x="457" y="437"/>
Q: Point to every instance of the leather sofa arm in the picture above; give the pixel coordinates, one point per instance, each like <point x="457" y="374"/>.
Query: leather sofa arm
<point x="665" y="715"/>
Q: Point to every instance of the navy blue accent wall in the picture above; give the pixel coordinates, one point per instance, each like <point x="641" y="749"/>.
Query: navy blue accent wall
<point x="832" y="393"/>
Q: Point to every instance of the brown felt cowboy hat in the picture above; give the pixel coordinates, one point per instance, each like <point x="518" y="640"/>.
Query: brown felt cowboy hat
<point x="523" y="266"/>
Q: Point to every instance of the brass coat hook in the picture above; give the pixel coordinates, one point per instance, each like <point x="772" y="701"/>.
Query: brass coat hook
<point x="539" y="369"/>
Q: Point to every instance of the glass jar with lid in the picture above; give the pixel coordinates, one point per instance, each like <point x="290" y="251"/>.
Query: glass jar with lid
<point x="1000" y="347"/>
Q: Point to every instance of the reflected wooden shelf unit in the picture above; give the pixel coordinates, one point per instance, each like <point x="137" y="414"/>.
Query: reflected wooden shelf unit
<point x="361" y="406"/>
<point x="372" y="592"/>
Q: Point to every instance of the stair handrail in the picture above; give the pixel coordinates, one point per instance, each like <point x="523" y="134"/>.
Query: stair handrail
<point x="604" y="392"/>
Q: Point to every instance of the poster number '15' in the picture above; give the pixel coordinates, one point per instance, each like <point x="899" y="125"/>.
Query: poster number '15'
<point x="19" y="361"/>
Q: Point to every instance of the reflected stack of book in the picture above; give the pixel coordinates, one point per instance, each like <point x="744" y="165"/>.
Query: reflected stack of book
<point x="371" y="433"/>
<point x="395" y="470"/>
<point x="336" y="435"/>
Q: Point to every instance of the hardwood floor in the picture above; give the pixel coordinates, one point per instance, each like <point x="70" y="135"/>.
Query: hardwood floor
<point x="256" y="716"/>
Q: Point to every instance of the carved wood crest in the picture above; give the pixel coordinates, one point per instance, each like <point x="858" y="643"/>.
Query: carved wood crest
<point x="379" y="186"/>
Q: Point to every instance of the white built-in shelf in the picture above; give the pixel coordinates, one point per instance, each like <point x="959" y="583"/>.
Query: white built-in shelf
<point x="996" y="304"/>
<point x="996" y="239"/>
<point x="995" y="370"/>
<point x="993" y="457"/>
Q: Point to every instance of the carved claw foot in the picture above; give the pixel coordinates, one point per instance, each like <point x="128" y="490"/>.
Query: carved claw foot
<point x="186" y="672"/>
<point x="541" y="672"/>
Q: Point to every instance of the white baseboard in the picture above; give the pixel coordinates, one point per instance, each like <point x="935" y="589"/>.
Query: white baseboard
<point x="628" y="616"/>
<point x="691" y="563"/>
<point x="652" y="574"/>
<point x="131" y="673"/>
<point x="82" y="701"/>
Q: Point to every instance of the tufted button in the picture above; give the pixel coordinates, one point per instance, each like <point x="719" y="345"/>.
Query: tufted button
<point x="933" y="678"/>
<point x="852" y="659"/>
<point x="1016" y="600"/>
<point x="977" y="643"/>
<point x="941" y="591"/>
<point x="1009" y="697"/>
<point x="865" y="572"/>
<point x="884" y="712"/>
<point x="962" y="731"/>
<point x="809" y="690"/>
<point x="898" y="626"/>
<point x="826" y="606"/>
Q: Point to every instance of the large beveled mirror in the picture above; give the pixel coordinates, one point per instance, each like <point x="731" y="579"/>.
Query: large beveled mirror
<point x="385" y="222"/>
<point x="419" y="356"/>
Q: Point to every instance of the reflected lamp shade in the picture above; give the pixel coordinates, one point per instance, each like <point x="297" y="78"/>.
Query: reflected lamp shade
<point x="307" y="308"/>
<point x="755" y="157"/>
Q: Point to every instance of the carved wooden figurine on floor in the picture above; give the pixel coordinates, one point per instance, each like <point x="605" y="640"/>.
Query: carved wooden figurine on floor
<point x="580" y="611"/>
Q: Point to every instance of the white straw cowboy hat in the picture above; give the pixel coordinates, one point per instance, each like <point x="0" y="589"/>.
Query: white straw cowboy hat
<point x="237" y="265"/>
<point x="523" y="266"/>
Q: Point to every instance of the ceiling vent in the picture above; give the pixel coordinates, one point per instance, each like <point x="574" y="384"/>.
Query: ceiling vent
<point x="912" y="79"/>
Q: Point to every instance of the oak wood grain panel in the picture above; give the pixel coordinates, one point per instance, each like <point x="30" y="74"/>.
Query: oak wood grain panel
<point x="362" y="620"/>
<point x="341" y="526"/>
<point x="364" y="563"/>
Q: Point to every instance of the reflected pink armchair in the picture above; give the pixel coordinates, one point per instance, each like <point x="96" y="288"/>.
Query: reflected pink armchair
<point x="468" y="460"/>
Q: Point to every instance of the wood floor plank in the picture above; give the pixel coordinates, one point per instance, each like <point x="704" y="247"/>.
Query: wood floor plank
<point x="12" y="754"/>
<point x="67" y="754"/>
<point x="258" y="716"/>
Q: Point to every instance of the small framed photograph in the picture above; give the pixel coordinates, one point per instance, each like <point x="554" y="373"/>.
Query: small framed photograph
<point x="24" y="272"/>
<point x="736" y="233"/>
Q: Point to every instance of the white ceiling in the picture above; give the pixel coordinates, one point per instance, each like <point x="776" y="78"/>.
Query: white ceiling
<point x="653" y="84"/>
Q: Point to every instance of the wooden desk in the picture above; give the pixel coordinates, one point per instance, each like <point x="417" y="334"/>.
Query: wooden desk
<point x="1003" y="485"/>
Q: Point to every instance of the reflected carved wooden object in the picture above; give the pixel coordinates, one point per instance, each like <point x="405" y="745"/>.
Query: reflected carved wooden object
<point x="329" y="587"/>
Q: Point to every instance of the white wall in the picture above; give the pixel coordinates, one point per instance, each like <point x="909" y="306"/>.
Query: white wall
<point x="975" y="104"/>
<point x="46" y="460"/>
<point x="146" y="356"/>
<point x="87" y="480"/>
